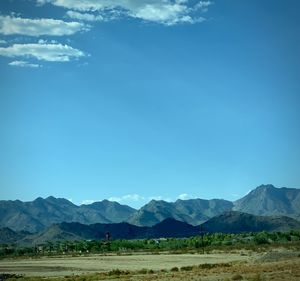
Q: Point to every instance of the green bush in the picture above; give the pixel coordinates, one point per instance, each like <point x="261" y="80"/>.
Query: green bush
<point x="186" y="268"/>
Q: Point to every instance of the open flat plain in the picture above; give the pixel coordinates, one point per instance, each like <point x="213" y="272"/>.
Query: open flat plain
<point x="277" y="264"/>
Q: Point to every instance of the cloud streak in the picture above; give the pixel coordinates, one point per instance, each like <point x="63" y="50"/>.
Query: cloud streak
<point x="167" y="12"/>
<point x="36" y="27"/>
<point x="87" y="202"/>
<point x="128" y="198"/>
<point x="42" y="52"/>
<point x="21" y="63"/>
<point x="84" y="16"/>
<point x="184" y="196"/>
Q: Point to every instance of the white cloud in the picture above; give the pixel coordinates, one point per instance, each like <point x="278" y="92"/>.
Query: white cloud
<point x="184" y="196"/>
<point x="2" y="41"/>
<point x="203" y="5"/>
<point x="36" y="27"/>
<point x="166" y="12"/>
<point x="84" y="16"/>
<point x="41" y="51"/>
<point x="22" y="63"/>
<point x="87" y="202"/>
<point x="127" y="198"/>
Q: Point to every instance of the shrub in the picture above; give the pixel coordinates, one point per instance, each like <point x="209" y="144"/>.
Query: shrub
<point x="186" y="268"/>
<point x="115" y="272"/>
<point x="142" y="271"/>
<point x="237" y="277"/>
<point x="257" y="277"/>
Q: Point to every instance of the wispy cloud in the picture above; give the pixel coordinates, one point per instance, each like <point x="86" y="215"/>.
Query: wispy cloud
<point x="21" y="63"/>
<point x="128" y="198"/>
<point x="203" y="5"/>
<point x="10" y="25"/>
<point x="41" y="51"/>
<point x="167" y="12"/>
<point x="87" y="202"/>
<point x="184" y="196"/>
<point x="84" y="16"/>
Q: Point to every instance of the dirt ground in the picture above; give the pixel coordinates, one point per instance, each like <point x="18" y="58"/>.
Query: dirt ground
<point x="279" y="264"/>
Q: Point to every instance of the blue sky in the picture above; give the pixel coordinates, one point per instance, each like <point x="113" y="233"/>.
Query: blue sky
<point x="132" y="100"/>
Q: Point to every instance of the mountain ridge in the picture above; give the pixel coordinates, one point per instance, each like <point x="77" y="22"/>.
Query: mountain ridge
<point x="40" y="213"/>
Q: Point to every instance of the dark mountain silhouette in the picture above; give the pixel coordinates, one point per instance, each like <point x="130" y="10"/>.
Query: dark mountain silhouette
<point x="229" y="222"/>
<point x="173" y="228"/>
<point x="78" y="231"/>
<point x="237" y="222"/>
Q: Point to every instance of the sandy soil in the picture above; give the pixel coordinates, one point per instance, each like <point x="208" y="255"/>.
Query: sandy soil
<point x="275" y="265"/>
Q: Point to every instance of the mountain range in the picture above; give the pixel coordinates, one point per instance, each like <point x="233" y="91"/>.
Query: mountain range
<point x="40" y="214"/>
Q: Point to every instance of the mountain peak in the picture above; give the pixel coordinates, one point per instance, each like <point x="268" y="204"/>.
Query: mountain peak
<point x="50" y="198"/>
<point x="269" y="200"/>
<point x="266" y="187"/>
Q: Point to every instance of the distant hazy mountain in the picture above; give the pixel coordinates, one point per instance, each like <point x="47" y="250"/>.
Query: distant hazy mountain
<point x="41" y="213"/>
<point x="268" y="200"/>
<point x="236" y="222"/>
<point x="37" y="215"/>
<point x="193" y="211"/>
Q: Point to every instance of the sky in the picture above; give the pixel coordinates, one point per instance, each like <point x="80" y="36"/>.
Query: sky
<point x="133" y="100"/>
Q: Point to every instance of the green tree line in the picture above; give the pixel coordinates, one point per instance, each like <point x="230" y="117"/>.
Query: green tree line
<point x="206" y="241"/>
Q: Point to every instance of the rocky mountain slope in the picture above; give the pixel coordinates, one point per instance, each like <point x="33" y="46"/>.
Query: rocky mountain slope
<point x="268" y="200"/>
<point x="193" y="211"/>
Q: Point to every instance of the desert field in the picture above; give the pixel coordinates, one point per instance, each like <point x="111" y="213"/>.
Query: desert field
<point x="277" y="264"/>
